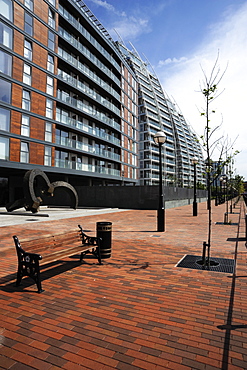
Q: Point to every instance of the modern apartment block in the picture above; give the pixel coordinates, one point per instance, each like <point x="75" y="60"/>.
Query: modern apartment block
<point x="68" y="99"/>
<point x="157" y="112"/>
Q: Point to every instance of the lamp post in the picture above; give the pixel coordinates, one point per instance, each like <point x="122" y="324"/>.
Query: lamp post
<point x="194" y="161"/>
<point x="160" y="138"/>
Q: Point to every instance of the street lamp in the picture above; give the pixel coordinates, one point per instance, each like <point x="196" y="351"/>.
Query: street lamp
<point x="160" y="138"/>
<point x="194" y="161"/>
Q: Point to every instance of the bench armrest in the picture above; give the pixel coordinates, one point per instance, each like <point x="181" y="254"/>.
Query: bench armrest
<point x="89" y="240"/>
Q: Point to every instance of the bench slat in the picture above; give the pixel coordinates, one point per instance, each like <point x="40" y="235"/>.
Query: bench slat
<point x="62" y="254"/>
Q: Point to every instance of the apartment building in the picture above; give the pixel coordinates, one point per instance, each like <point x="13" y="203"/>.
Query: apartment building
<point x="157" y="112"/>
<point x="68" y="98"/>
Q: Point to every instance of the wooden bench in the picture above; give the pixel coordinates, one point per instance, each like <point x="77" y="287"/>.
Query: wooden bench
<point x="34" y="253"/>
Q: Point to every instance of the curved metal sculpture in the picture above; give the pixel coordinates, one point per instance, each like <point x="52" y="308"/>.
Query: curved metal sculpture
<point x="36" y="186"/>
<point x="69" y="189"/>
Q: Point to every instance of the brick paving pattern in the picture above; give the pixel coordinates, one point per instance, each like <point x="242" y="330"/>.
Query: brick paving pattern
<point x="137" y="310"/>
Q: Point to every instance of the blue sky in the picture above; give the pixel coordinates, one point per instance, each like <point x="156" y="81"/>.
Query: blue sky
<point x="179" y="38"/>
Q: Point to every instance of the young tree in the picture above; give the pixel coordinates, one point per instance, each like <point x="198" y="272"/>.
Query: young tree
<point x="209" y="89"/>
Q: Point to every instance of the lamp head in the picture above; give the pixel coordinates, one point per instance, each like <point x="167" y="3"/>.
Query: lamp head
<point x="160" y="137"/>
<point x="194" y="160"/>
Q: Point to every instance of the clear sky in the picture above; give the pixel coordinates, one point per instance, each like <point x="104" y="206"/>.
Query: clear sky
<point x="181" y="39"/>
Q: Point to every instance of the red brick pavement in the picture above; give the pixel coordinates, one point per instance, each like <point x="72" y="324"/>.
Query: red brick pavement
<point x="137" y="310"/>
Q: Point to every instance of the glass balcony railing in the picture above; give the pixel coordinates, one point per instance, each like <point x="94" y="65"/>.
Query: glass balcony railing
<point x="87" y="35"/>
<point x="71" y="143"/>
<point x="87" y="109"/>
<point x="86" y="52"/>
<point x="87" y="90"/>
<point x="90" y="130"/>
<point x="62" y="163"/>
<point x="85" y="70"/>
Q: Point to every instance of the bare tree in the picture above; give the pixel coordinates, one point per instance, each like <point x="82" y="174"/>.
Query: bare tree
<point x="222" y="145"/>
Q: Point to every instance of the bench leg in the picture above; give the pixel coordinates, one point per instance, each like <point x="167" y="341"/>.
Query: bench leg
<point x="19" y="277"/>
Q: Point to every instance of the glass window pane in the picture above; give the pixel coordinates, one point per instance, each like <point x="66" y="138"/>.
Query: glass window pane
<point x="26" y="100"/>
<point x="25" y="123"/>
<point x="4" y="119"/>
<point x="28" y="24"/>
<point x="29" y="4"/>
<point x="24" y="155"/>
<point x="27" y="49"/>
<point x="27" y="74"/>
<point x="51" y="40"/>
<point x="5" y="35"/>
<point x="4" y="148"/>
<point x="6" y="9"/>
<point x="50" y="63"/>
<point x="5" y="63"/>
<point x="5" y="91"/>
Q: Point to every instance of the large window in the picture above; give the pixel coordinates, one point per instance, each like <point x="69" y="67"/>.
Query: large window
<point x="26" y="100"/>
<point x="5" y="63"/>
<point x="6" y="9"/>
<point x="49" y="85"/>
<point x="48" y="131"/>
<point x="27" y="76"/>
<point x="28" y="24"/>
<point x="25" y="125"/>
<point x="4" y="148"/>
<point x="50" y="63"/>
<point x="6" y="35"/>
<point x="51" y="18"/>
<point x="5" y="91"/>
<point x="49" y="108"/>
<point x="51" y="40"/>
<point x="47" y="158"/>
<point x="28" y="50"/>
<point x="24" y="154"/>
<point x="4" y="119"/>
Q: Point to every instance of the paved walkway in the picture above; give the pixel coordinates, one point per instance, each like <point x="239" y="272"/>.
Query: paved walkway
<point x="137" y="310"/>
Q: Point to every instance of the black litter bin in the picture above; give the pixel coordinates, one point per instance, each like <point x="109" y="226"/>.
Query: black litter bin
<point x="104" y="230"/>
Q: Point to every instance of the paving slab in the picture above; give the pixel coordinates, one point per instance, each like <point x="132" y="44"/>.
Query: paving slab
<point x="137" y="310"/>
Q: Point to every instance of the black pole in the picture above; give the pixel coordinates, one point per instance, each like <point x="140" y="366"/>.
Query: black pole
<point x="161" y="210"/>
<point x="216" y="190"/>
<point x="194" y="202"/>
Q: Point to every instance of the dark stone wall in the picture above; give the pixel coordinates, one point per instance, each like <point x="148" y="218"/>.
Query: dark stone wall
<point x="132" y="197"/>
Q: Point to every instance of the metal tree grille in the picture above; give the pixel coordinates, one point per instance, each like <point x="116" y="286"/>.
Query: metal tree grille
<point x="216" y="264"/>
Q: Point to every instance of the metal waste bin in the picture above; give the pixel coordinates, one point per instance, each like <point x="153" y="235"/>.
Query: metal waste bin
<point x="104" y="231"/>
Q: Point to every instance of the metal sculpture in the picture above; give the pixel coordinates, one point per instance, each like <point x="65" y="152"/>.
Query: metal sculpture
<point x="36" y="186"/>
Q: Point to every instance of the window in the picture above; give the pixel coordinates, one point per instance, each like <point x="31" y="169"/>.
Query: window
<point x="27" y="78"/>
<point x="49" y="85"/>
<point x="51" y="18"/>
<point x="5" y="91"/>
<point x="4" y="119"/>
<point x="28" y="24"/>
<point x="5" y="35"/>
<point x="48" y="131"/>
<point x="29" y="4"/>
<point x="4" y="148"/>
<point x="5" y="63"/>
<point x="28" y="50"/>
<point x="49" y="108"/>
<point x="24" y="154"/>
<point x="53" y="2"/>
<point x="25" y="125"/>
<point x="50" y="63"/>
<point x="47" y="158"/>
<point x="51" y="40"/>
<point x="26" y="100"/>
<point x="6" y="9"/>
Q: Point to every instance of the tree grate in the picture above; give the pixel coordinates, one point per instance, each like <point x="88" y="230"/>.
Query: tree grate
<point x="216" y="264"/>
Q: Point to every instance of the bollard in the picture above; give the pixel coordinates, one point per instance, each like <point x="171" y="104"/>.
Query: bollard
<point x="104" y="231"/>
